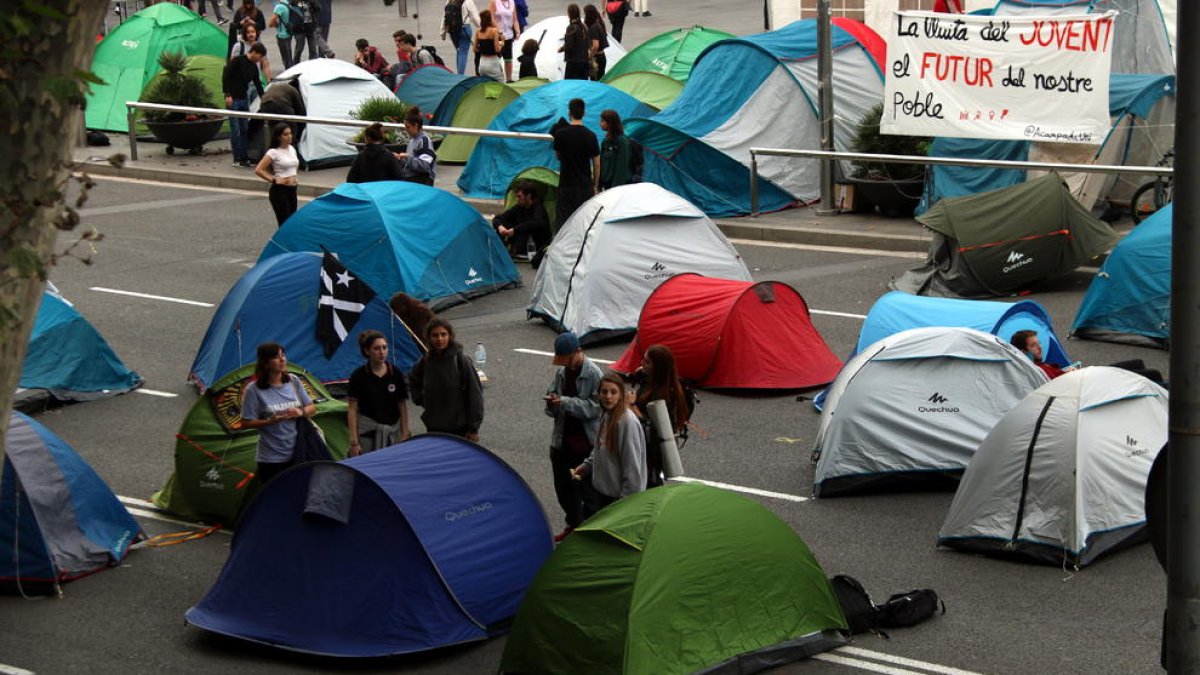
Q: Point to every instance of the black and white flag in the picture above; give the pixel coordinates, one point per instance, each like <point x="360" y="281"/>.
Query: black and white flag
<point x="343" y="297"/>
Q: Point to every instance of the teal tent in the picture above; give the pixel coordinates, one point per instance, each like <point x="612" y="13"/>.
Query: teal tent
<point x="128" y="57"/>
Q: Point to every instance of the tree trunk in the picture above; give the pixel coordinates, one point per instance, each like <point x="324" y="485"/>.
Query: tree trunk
<point x="42" y="65"/>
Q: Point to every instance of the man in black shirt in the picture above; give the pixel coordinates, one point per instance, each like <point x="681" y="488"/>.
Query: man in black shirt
<point x="525" y="221"/>
<point x="578" y="153"/>
<point x="239" y="75"/>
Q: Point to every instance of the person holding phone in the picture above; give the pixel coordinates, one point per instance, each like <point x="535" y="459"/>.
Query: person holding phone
<point x="573" y="401"/>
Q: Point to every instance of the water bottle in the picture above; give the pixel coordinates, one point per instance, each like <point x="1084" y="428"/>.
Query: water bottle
<point x="480" y="355"/>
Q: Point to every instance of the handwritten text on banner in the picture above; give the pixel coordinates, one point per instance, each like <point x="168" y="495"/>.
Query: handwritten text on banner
<point x="1018" y="78"/>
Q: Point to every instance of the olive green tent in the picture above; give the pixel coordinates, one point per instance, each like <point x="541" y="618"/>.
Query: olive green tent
<point x="215" y="462"/>
<point x="528" y="84"/>
<point x="128" y="57"/>
<point x="547" y="181"/>
<point x="678" y="579"/>
<point x="207" y="69"/>
<point x="475" y="110"/>
<point x="652" y="89"/>
<point x="1005" y="241"/>
<point x="671" y="53"/>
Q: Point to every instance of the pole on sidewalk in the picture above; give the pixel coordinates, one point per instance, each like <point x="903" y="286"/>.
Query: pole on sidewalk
<point x="825" y="94"/>
<point x="131" y="115"/>
<point x="1182" y="630"/>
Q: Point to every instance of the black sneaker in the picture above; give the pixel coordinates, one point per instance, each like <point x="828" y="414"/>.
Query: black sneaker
<point x="646" y="14"/>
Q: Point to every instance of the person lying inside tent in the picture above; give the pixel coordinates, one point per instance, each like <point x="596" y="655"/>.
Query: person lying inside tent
<point x="525" y="228"/>
<point x="1027" y="342"/>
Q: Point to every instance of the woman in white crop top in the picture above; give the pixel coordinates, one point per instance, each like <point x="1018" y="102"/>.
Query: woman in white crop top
<point x="278" y="167"/>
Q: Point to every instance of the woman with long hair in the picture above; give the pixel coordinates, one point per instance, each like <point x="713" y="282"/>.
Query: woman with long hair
<point x="488" y="47"/>
<point x="659" y="378"/>
<point x="278" y="167"/>
<point x="377" y="398"/>
<point x="616" y="152"/>
<point x="597" y="40"/>
<point x="446" y="384"/>
<point x="617" y="465"/>
<point x="576" y="47"/>
<point x="272" y="405"/>
<point x="418" y="161"/>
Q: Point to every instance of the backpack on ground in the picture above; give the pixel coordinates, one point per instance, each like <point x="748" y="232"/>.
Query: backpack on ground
<point x="856" y="604"/>
<point x="909" y="609"/>
<point x="433" y="54"/>
<point x="453" y="17"/>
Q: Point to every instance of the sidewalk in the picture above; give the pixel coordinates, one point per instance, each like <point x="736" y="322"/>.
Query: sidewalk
<point x="215" y="169"/>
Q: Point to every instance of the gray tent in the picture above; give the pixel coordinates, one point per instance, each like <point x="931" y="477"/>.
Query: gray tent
<point x="1062" y="477"/>
<point x="616" y="249"/>
<point x="911" y="409"/>
<point x="1005" y="241"/>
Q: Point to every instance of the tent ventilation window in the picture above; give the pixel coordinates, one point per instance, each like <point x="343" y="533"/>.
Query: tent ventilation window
<point x="765" y="293"/>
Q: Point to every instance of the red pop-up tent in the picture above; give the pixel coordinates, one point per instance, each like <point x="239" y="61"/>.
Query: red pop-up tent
<point x="733" y="334"/>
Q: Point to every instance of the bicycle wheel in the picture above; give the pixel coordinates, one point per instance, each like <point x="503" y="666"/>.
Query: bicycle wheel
<point x="1146" y="200"/>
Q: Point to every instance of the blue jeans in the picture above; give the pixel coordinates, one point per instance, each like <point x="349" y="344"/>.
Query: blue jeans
<point x="462" y="43"/>
<point x="238" y="130"/>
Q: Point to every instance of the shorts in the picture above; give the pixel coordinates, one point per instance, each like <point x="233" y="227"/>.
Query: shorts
<point x="506" y="52"/>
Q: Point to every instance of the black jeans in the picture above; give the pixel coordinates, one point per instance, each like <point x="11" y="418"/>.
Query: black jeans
<point x="568" y="490"/>
<point x="283" y="201"/>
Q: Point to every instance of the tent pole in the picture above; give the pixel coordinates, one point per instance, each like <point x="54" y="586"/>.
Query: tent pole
<point x="825" y="93"/>
<point x="1182" y="630"/>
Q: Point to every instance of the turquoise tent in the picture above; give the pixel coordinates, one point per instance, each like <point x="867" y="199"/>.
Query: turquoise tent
<point x="496" y="161"/>
<point x="401" y="236"/>
<point x="68" y="357"/>
<point x="1129" y="300"/>
<point x="426" y="85"/>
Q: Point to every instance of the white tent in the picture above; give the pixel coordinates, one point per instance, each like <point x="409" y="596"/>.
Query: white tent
<point x="1062" y="477"/>
<point x="616" y="249"/>
<point x="912" y="408"/>
<point x="333" y="89"/>
<point x="549" y="35"/>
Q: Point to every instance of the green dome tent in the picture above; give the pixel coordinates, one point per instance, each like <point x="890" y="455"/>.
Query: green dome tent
<point x="208" y="69"/>
<point x="528" y="84"/>
<point x="475" y="110"/>
<point x="215" y="462"/>
<point x="128" y="57"/>
<point x="547" y="179"/>
<point x="677" y="579"/>
<point x="652" y="89"/>
<point x="671" y="53"/>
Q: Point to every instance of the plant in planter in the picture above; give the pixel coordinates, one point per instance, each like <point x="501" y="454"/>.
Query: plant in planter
<point x="176" y="129"/>
<point x="894" y="188"/>
<point x="382" y="109"/>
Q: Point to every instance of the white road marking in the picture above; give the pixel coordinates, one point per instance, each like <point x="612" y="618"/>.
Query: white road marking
<point x="826" y="312"/>
<point x="739" y="488"/>
<point x="863" y="665"/>
<point x="902" y="661"/>
<point x="13" y="670"/>
<point x="150" y="297"/>
<point x="829" y="249"/>
<point x="155" y="392"/>
<point x="144" y="509"/>
<point x="536" y="352"/>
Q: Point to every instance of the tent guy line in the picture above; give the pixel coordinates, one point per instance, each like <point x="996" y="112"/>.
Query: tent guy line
<point x="148" y="296"/>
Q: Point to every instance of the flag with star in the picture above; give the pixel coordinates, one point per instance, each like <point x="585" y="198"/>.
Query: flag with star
<point x="343" y="297"/>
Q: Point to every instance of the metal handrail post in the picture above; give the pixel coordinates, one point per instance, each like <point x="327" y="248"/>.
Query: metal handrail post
<point x="753" y="184"/>
<point x="131" y="115"/>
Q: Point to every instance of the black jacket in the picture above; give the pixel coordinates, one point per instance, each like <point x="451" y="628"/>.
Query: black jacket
<point x="238" y="75"/>
<point x="530" y="221"/>
<point x="447" y="386"/>
<point x="374" y="163"/>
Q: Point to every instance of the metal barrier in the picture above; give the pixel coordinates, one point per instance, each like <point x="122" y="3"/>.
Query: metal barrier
<point x="942" y="161"/>
<point x="133" y="106"/>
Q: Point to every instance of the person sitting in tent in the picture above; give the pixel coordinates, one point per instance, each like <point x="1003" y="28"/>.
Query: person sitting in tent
<point x="1027" y="341"/>
<point x="525" y="223"/>
<point x="378" y="399"/>
<point x="271" y="405"/>
<point x="617" y="464"/>
<point x="375" y="161"/>
<point x="658" y="380"/>
<point x="418" y="161"/>
<point x="446" y="384"/>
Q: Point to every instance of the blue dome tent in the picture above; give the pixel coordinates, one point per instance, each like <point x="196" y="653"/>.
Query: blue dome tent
<point x="69" y="358"/>
<point x="425" y="86"/>
<point x="276" y="301"/>
<point x="428" y="543"/>
<point x="496" y="161"/>
<point x="757" y="91"/>
<point x="402" y="236"/>
<point x="60" y="521"/>
<point x="1129" y="300"/>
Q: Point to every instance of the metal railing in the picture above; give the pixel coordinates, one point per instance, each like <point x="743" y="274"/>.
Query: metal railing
<point x="134" y="106"/>
<point x="936" y="161"/>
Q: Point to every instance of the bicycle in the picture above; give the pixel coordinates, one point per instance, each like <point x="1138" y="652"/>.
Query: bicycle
<point x="1154" y="195"/>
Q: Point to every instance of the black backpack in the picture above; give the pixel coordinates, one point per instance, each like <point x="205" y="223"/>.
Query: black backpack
<point x="433" y="52"/>
<point x="909" y="609"/>
<point x="299" y="19"/>
<point x="856" y="604"/>
<point x="899" y="611"/>
<point x="453" y="17"/>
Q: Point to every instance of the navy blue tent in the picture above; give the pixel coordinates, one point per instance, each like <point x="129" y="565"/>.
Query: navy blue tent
<point x="428" y="543"/>
<point x="1129" y="300"/>
<point x="68" y="357"/>
<point x="405" y="237"/>
<point x="59" y="520"/>
<point x="276" y="301"/>
<point x="496" y="161"/>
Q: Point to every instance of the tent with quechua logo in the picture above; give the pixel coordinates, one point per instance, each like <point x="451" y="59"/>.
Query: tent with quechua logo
<point x="1005" y="241"/>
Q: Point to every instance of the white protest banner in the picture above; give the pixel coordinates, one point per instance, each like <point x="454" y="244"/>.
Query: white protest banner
<point x="1014" y="78"/>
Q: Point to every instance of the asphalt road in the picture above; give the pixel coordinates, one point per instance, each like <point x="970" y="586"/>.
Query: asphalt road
<point x="190" y="244"/>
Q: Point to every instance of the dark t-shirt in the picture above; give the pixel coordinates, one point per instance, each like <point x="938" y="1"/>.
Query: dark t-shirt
<point x="576" y="43"/>
<point x="596" y="32"/>
<point x="378" y="397"/>
<point x="574" y="440"/>
<point x="575" y="145"/>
